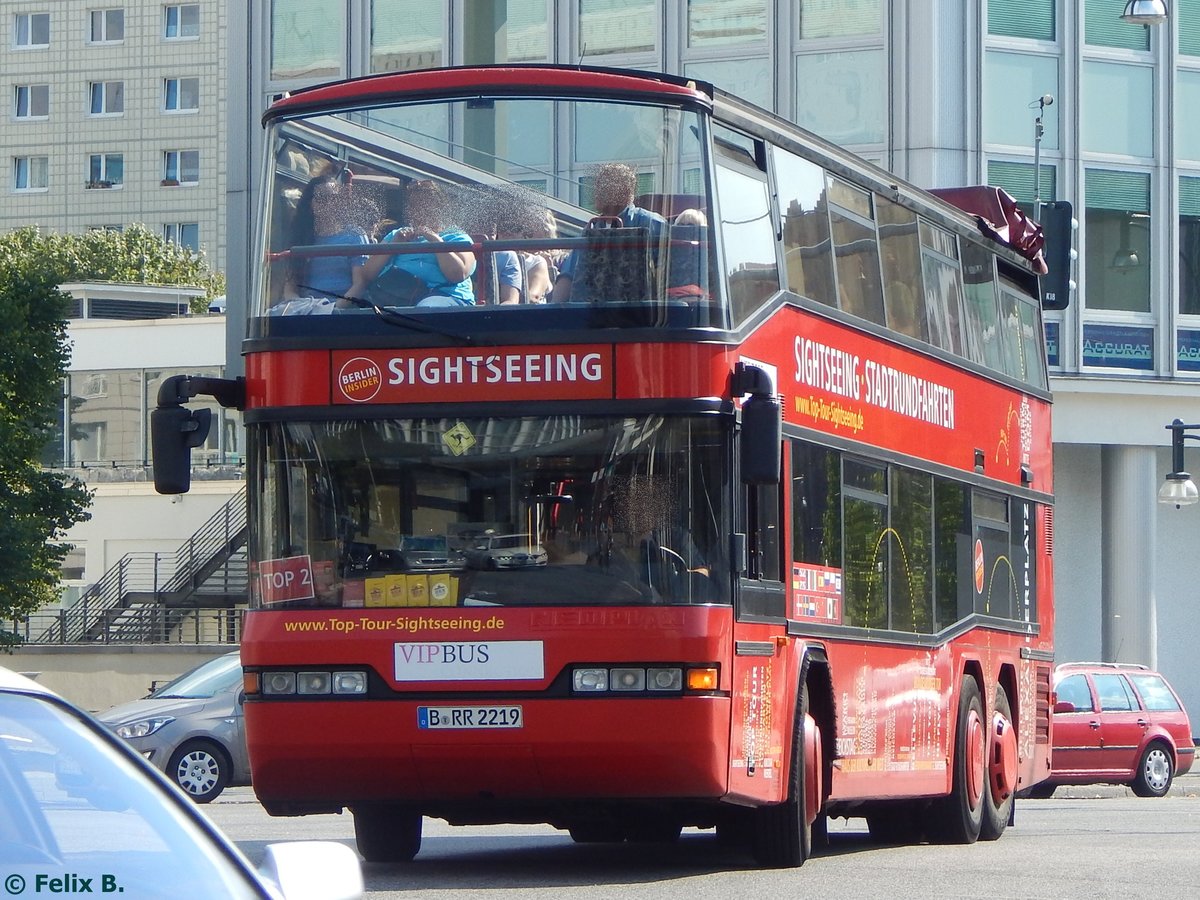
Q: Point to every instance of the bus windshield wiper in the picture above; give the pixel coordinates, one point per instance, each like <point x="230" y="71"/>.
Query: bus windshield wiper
<point x="403" y="320"/>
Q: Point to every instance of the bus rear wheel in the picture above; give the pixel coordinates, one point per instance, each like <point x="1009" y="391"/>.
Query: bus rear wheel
<point x="958" y="818"/>
<point x="386" y="834"/>
<point x="781" y="834"/>
<point x="999" y="796"/>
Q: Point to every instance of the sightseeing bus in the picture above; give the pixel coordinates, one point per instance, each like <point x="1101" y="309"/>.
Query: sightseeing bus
<point x="744" y="523"/>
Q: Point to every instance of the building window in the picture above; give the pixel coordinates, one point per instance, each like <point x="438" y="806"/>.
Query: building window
<point x="1029" y="19"/>
<point x="181" y="167"/>
<point x="528" y="31"/>
<point x="181" y="94"/>
<point x="406" y="35"/>
<point x="308" y="39"/>
<point x="1101" y="28"/>
<point x="32" y="101"/>
<point x="1117" y="237"/>
<point x="607" y="28"/>
<point x="840" y="75"/>
<point x="31" y="30"/>
<point x="107" y="98"/>
<point x="1118" y="109"/>
<point x="106" y="170"/>
<point x="106" y="26"/>
<point x="1189" y="245"/>
<point x="718" y="24"/>
<point x="31" y="173"/>
<point x="185" y="234"/>
<point x="1011" y="80"/>
<point x="181" y="20"/>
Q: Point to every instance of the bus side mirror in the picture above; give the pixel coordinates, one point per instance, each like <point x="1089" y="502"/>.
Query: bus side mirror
<point x="762" y="438"/>
<point x="174" y="431"/>
<point x="762" y="424"/>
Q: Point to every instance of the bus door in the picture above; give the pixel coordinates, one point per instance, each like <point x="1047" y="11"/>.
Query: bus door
<point x="763" y="701"/>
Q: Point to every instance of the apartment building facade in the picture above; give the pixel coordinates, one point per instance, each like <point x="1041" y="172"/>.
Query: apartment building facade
<point x="116" y="113"/>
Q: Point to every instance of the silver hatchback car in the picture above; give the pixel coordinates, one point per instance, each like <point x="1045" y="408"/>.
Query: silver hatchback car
<point x="191" y="728"/>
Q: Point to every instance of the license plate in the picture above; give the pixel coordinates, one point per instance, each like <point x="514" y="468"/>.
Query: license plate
<point x="469" y="717"/>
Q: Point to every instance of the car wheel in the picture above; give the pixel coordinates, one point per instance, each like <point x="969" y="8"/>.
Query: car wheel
<point x="1154" y="772"/>
<point x="201" y="769"/>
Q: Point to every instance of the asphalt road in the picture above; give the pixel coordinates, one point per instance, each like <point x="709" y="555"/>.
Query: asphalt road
<point x="1094" y="842"/>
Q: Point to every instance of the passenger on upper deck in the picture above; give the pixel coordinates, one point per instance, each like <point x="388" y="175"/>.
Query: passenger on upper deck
<point x="522" y="276"/>
<point x="615" y="188"/>
<point x="328" y="212"/>
<point x="421" y="279"/>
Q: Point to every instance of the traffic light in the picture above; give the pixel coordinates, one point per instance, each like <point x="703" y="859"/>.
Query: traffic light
<point x="1058" y="227"/>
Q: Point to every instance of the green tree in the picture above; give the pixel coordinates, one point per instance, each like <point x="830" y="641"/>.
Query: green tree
<point x="37" y="506"/>
<point x="135" y="255"/>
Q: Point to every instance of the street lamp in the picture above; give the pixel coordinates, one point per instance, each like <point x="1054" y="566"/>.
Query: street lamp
<point x="1145" y="12"/>
<point x="1178" y="488"/>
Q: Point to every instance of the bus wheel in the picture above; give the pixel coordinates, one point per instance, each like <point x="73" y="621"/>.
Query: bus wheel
<point x="782" y="834"/>
<point x="957" y="819"/>
<point x="386" y="834"/>
<point x="998" y="799"/>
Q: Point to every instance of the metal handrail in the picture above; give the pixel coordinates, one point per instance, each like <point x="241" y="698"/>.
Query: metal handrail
<point x="145" y="624"/>
<point x="160" y="578"/>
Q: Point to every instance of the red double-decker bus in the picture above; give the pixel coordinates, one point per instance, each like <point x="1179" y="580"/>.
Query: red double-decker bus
<point x="740" y="520"/>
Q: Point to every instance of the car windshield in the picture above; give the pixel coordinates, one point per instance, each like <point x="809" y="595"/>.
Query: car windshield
<point x="214" y="677"/>
<point x="72" y="803"/>
<point x="435" y="543"/>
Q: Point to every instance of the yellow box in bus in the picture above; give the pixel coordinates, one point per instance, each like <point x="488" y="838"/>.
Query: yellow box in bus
<point x="397" y="590"/>
<point x="443" y="590"/>
<point x="418" y="590"/>
<point x="375" y="593"/>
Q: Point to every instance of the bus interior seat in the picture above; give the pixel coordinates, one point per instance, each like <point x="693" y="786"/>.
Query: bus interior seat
<point x="619" y="262"/>
<point x="687" y="261"/>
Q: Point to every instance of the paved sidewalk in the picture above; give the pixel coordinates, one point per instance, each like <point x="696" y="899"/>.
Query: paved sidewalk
<point x="1183" y="786"/>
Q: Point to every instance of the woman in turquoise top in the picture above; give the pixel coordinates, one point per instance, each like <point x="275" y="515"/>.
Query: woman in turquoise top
<point x="437" y="279"/>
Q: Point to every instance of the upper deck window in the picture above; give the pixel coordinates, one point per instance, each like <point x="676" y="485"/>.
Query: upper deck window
<point x="521" y="204"/>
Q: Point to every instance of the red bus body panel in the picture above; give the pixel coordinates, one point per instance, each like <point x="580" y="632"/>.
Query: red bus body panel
<point x="569" y="747"/>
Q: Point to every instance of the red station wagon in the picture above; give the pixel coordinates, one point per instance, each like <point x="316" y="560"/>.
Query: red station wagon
<point x="1117" y="724"/>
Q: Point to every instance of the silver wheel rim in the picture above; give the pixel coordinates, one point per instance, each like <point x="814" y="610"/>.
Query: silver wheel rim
<point x="1157" y="770"/>
<point x="197" y="772"/>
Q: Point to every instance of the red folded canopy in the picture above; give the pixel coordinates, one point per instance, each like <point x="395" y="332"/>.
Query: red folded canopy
<point x="999" y="217"/>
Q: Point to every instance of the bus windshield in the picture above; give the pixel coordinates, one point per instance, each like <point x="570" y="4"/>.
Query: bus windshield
<point x="554" y="510"/>
<point x="437" y="206"/>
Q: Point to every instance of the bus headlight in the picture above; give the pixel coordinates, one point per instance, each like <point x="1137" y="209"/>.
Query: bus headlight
<point x="349" y="682"/>
<point x="627" y="679"/>
<point x="589" y="680"/>
<point x="664" y="679"/>
<point x="312" y="683"/>
<point x="279" y="683"/>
